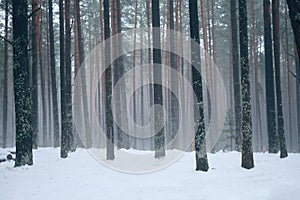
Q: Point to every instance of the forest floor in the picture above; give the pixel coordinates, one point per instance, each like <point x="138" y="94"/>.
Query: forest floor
<point x="81" y="177"/>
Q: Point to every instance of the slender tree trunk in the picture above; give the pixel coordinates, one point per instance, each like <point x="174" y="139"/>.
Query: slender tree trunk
<point x="64" y="134"/>
<point x="159" y="138"/>
<point x="280" y="119"/>
<point x="53" y="78"/>
<point x="272" y="134"/>
<point x="5" y="88"/>
<point x="236" y="76"/>
<point x="200" y="144"/>
<point x="34" y="46"/>
<point x="247" y="152"/>
<point x="23" y="101"/>
<point x="108" y="86"/>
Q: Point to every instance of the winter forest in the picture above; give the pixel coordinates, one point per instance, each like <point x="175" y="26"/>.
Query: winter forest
<point x="183" y="93"/>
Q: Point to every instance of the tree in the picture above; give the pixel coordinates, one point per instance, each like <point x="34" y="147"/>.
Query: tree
<point x="159" y="138"/>
<point x="34" y="46"/>
<point x="5" y="85"/>
<point x="236" y="75"/>
<point x="247" y="152"/>
<point x="272" y="135"/>
<point x="108" y="86"/>
<point x="23" y="101"/>
<point x="276" y="38"/>
<point x="200" y="145"/>
<point x="53" y="77"/>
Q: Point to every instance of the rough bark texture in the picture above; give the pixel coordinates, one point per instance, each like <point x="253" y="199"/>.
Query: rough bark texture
<point x="200" y="145"/>
<point x="34" y="46"/>
<point x="22" y="96"/>
<point x="157" y="76"/>
<point x="276" y="38"/>
<point x="108" y="86"/>
<point x="236" y="76"/>
<point x="269" y="73"/>
<point x="247" y="152"/>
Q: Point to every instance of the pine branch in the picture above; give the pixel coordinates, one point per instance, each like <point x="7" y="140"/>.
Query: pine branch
<point x="3" y="38"/>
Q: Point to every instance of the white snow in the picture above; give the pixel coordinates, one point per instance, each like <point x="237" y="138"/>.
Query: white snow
<point x="81" y="177"/>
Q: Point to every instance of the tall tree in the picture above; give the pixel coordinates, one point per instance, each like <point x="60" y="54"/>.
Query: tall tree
<point x="276" y="37"/>
<point x="34" y="46"/>
<point x="23" y="101"/>
<point x="108" y="85"/>
<point x="200" y="144"/>
<point x="269" y="73"/>
<point x="157" y="77"/>
<point x="247" y="152"/>
<point x="53" y="77"/>
<point x="236" y="75"/>
<point x="5" y="85"/>
<point x="64" y="135"/>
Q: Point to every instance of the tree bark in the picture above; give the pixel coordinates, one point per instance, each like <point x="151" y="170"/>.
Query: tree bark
<point x="247" y="152"/>
<point x="200" y="144"/>
<point x="23" y="101"/>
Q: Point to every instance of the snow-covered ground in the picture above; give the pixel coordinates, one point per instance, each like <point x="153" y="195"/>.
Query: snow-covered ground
<point x="81" y="177"/>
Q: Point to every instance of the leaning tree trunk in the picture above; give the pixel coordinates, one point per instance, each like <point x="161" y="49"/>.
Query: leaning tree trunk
<point x="159" y="138"/>
<point x="276" y="37"/>
<point x="247" y="152"/>
<point x="200" y="144"/>
<point x="22" y="95"/>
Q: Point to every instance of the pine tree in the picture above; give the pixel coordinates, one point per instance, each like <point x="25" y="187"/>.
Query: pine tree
<point x="200" y="144"/>
<point x="247" y="152"/>
<point x="157" y="77"/>
<point x="276" y="38"/>
<point x="23" y="101"/>
<point x="236" y="75"/>
<point x="269" y="73"/>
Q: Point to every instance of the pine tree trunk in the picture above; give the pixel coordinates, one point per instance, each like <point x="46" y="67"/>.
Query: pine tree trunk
<point x="200" y="144"/>
<point x="280" y="119"/>
<point x="53" y="78"/>
<point x="5" y="85"/>
<point x="108" y="86"/>
<point x="159" y="138"/>
<point x="34" y="46"/>
<point x="64" y="134"/>
<point x="272" y="134"/>
<point x="23" y="101"/>
<point x="236" y="76"/>
<point x="247" y="152"/>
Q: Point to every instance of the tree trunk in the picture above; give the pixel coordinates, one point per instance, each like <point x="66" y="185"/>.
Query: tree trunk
<point x="53" y="77"/>
<point x="34" y="46"/>
<point x="159" y="137"/>
<point x="247" y="152"/>
<point x="276" y="38"/>
<point x="236" y="76"/>
<point x="5" y="85"/>
<point x="108" y="86"/>
<point x="272" y="134"/>
<point x="23" y="101"/>
<point x="200" y="144"/>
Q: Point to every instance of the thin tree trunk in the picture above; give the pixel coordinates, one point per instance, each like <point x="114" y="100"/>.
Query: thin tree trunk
<point x="34" y="46"/>
<point x="272" y="134"/>
<point x="280" y="119"/>
<point x="236" y="76"/>
<point x="200" y="144"/>
<point x="108" y="85"/>
<point x="53" y="77"/>
<point x="5" y="88"/>
<point x="247" y="152"/>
